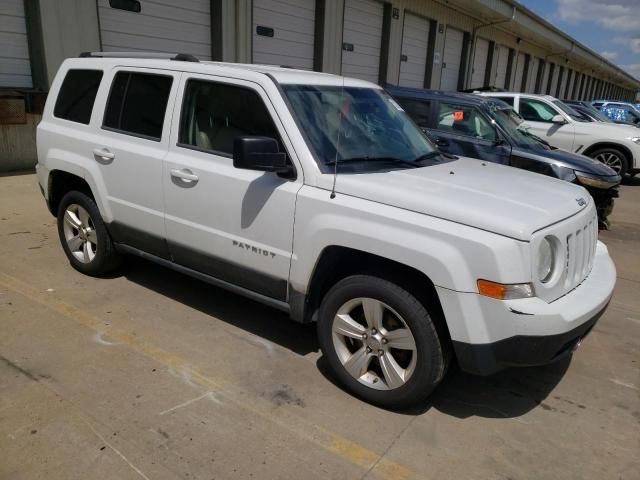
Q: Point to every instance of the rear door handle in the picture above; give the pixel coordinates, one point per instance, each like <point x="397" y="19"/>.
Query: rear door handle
<point x="185" y="175"/>
<point x="104" y="154"/>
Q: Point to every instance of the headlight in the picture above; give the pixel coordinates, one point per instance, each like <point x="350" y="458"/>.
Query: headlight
<point x="593" y="182"/>
<point x="546" y="260"/>
<point x="636" y="140"/>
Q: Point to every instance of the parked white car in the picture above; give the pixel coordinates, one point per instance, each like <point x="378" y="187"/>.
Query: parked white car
<point x="617" y="146"/>
<point x="227" y="173"/>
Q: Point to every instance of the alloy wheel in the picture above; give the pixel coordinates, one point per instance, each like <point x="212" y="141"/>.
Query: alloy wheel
<point x="610" y="159"/>
<point x="374" y="343"/>
<point x="80" y="233"/>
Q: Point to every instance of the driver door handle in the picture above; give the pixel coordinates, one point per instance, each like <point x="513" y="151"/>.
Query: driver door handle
<point x="185" y="175"/>
<point x="104" y="154"/>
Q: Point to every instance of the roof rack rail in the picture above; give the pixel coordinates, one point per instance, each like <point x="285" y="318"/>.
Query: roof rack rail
<point x="181" y="57"/>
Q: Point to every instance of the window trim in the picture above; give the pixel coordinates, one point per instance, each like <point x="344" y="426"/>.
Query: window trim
<point x="124" y="97"/>
<point x="93" y="106"/>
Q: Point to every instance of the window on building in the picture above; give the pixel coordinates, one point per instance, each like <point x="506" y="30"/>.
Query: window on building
<point x="137" y="104"/>
<point x="464" y="120"/>
<point x="536" y="111"/>
<point x="214" y="114"/>
<point x="418" y="110"/>
<point x="77" y="95"/>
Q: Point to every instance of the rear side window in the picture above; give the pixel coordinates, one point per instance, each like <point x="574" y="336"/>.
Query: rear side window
<point x="77" y="95"/>
<point x="508" y="100"/>
<point x="418" y="110"/>
<point x="137" y="104"/>
<point x="214" y="114"/>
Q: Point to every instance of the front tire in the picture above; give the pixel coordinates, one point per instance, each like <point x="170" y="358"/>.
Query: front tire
<point x="84" y="236"/>
<point x="380" y="342"/>
<point x="612" y="157"/>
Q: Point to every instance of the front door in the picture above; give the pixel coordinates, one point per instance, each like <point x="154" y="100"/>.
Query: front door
<point x="538" y="115"/>
<point x="235" y="225"/>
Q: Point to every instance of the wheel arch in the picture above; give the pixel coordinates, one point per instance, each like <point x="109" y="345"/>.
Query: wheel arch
<point x="338" y="262"/>
<point x="600" y="145"/>
<point x="60" y="183"/>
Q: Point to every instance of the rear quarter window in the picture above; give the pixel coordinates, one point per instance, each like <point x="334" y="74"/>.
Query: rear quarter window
<point x="77" y="95"/>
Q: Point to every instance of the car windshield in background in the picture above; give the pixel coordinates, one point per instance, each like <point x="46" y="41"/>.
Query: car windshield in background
<point x="597" y="114"/>
<point x="358" y="125"/>
<point x="569" y="111"/>
<point x="510" y="122"/>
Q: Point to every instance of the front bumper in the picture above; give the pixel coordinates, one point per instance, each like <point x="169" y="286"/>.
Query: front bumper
<point x="489" y="335"/>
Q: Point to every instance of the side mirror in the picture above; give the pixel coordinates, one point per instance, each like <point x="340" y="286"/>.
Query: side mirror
<point x="259" y="153"/>
<point x="558" y="119"/>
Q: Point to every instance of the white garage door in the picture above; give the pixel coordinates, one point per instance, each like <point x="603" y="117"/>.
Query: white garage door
<point x="479" y="63"/>
<point x="517" y="78"/>
<point x="563" y="84"/>
<point x="570" y="82"/>
<point x="451" y="59"/>
<point x="15" y="68"/>
<point x="534" y="66"/>
<point x="362" y="39"/>
<point x="554" y="81"/>
<point x="283" y="32"/>
<point x="501" y="67"/>
<point x="415" y="46"/>
<point x="161" y="26"/>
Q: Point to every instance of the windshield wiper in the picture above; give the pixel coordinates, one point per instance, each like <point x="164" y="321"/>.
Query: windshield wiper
<point x="399" y="161"/>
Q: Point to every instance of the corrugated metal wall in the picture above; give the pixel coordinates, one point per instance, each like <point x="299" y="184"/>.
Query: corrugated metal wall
<point x="15" y="66"/>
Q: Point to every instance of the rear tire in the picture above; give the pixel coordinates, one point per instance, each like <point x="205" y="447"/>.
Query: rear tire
<point x="380" y="342"/>
<point x="612" y="157"/>
<point x="84" y="236"/>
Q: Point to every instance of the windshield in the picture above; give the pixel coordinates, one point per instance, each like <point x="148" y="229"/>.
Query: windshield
<point x="357" y="124"/>
<point x="569" y="111"/>
<point x="510" y="122"/>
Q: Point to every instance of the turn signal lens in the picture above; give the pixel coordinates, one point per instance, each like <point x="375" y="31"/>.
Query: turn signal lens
<point x="501" y="291"/>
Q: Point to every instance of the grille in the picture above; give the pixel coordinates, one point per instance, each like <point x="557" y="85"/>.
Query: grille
<point x="580" y="250"/>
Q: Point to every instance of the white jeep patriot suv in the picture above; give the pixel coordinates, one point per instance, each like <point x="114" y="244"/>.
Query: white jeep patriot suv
<point x="317" y="194"/>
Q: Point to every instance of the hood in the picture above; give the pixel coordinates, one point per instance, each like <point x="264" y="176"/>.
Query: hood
<point x="500" y="199"/>
<point x="571" y="160"/>
<point x="614" y="131"/>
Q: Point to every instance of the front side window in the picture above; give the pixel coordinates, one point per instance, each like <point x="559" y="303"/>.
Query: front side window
<point x="214" y="114"/>
<point x="419" y="110"/>
<point x="77" y="95"/>
<point x="536" y="111"/>
<point x="569" y="111"/>
<point x="464" y="120"/>
<point x="137" y="104"/>
<point x="362" y="127"/>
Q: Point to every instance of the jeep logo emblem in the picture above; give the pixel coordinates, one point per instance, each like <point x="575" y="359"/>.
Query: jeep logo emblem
<point x="581" y="201"/>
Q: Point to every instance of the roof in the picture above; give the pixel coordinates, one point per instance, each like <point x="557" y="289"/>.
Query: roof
<point x="466" y="98"/>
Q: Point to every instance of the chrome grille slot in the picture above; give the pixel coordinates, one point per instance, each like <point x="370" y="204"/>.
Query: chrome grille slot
<point x="578" y="238"/>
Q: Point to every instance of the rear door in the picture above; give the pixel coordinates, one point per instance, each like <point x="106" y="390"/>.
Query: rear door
<point x="463" y="130"/>
<point x="235" y="225"/>
<point x="538" y="114"/>
<point x="129" y="148"/>
<point x="415" y="48"/>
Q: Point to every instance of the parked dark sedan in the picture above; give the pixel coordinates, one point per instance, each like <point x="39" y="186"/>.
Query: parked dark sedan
<point x="489" y="129"/>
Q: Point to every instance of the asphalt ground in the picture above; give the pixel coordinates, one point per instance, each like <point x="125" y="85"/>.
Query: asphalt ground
<point x="151" y="374"/>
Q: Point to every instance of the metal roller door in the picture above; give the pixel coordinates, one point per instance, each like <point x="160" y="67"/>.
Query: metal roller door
<point x="534" y="66"/>
<point x="501" y="67"/>
<point x="517" y="78"/>
<point x="283" y="32"/>
<point x="161" y="26"/>
<point x="415" y="46"/>
<point x="362" y="39"/>
<point x="451" y="59"/>
<point x="563" y="83"/>
<point x="15" y="67"/>
<point x="480" y="57"/>
<point x="554" y="81"/>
